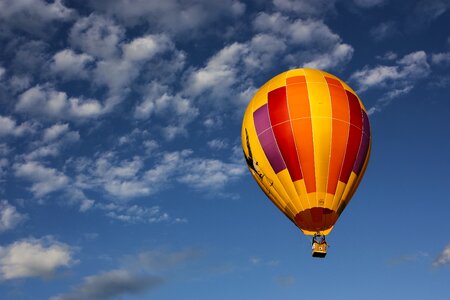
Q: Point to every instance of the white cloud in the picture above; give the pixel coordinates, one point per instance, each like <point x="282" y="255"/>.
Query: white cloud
<point x="110" y="285"/>
<point x="2" y="72"/>
<point x="97" y="36"/>
<point x="70" y="64"/>
<point x="384" y="30"/>
<point x="341" y="54"/>
<point x="443" y="258"/>
<point x="138" y="275"/>
<point x="19" y="83"/>
<point x="398" y="79"/>
<point x="54" y="132"/>
<point x="145" y="47"/>
<point x="8" y="126"/>
<point x="135" y="213"/>
<point x="388" y="56"/>
<point x="220" y="73"/>
<point x="210" y="173"/>
<point x="369" y="3"/>
<point x="175" y="111"/>
<point x="217" y="144"/>
<point x="127" y="179"/>
<point x="44" y="101"/>
<point x="408" y="69"/>
<point x="33" y="15"/>
<point x="298" y="32"/>
<point x="45" y="180"/>
<point x="54" y="138"/>
<point x="441" y="58"/>
<point x="121" y="179"/>
<point x="117" y="75"/>
<point x="173" y="16"/>
<point x="140" y="57"/>
<point x="305" y="8"/>
<point x="33" y="258"/>
<point x="9" y="216"/>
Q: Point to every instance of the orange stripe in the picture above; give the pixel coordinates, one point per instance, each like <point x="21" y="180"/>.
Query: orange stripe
<point x="341" y="120"/>
<point x="300" y="113"/>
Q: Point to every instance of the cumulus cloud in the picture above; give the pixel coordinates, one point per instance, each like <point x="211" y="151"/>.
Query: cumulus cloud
<point x="398" y="79"/>
<point x="304" y="7"/>
<point x="9" y="216"/>
<point x="54" y="138"/>
<point x="145" y="47"/>
<point x="46" y="102"/>
<point x="443" y="258"/>
<point x="384" y="30"/>
<point x="217" y="144"/>
<point x="34" y="258"/>
<point x="210" y="173"/>
<point x="70" y="64"/>
<point x="137" y="276"/>
<point x="175" y="111"/>
<point x="9" y="126"/>
<point x="44" y="180"/>
<point x="131" y="178"/>
<point x="118" y="178"/>
<point x="426" y="11"/>
<point x="97" y="36"/>
<point x="441" y="59"/>
<point x="369" y="3"/>
<point x="339" y="55"/>
<point x="134" y="213"/>
<point x="110" y="285"/>
<point x="409" y="258"/>
<point x="173" y="16"/>
<point x="220" y="72"/>
<point x="55" y="131"/>
<point x="32" y="15"/>
<point x="409" y="68"/>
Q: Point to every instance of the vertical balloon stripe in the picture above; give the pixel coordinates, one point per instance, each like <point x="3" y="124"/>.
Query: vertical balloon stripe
<point x="300" y="113"/>
<point x="278" y="111"/>
<point x="340" y="130"/>
<point x="354" y="138"/>
<point x="279" y="118"/>
<point x="320" y="103"/>
<point x="267" y="139"/>
<point x="261" y="119"/>
<point x="364" y="147"/>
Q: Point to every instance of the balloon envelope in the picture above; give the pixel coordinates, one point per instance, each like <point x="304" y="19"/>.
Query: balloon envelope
<point x="306" y="139"/>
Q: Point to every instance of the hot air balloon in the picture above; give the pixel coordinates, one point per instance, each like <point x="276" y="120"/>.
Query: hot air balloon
<point x="306" y="139"/>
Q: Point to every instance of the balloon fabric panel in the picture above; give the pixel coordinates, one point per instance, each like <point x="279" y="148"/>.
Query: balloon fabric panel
<point x="279" y="118"/>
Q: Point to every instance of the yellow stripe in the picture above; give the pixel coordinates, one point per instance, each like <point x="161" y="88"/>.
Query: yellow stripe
<point x="320" y="104"/>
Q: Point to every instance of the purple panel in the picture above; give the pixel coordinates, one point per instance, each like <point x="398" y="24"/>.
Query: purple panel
<point x="261" y="119"/>
<point x="366" y="125"/>
<point x="364" y="147"/>
<point x="267" y="138"/>
<point x="271" y="150"/>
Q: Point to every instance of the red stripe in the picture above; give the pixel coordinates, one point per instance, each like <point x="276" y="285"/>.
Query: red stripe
<point x="279" y="118"/>
<point x="354" y="138"/>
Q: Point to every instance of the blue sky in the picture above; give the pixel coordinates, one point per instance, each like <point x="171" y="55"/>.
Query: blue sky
<point x="121" y="170"/>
